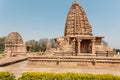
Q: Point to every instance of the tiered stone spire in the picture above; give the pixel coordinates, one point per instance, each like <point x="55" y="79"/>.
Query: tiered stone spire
<point x="77" y="22"/>
<point x="75" y="0"/>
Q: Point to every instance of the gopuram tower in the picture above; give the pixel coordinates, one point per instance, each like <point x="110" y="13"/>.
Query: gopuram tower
<point x="78" y="37"/>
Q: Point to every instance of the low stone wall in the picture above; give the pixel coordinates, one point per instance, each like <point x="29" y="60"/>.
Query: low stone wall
<point x="58" y="53"/>
<point x="105" y="53"/>
<point x="98" y="53"/>
<point x="73" y="61"/>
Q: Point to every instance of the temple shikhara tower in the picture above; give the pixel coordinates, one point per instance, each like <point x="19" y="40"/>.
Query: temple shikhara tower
<point x="78" y="36"/>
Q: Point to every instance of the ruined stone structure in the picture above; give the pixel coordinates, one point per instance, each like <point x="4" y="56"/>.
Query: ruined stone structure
<point x="78" y="37"/>
<point x="14" y="43"/>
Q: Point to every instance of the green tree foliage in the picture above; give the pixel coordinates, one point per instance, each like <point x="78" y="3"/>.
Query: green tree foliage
<point x="43" y="46"/>
<point x="31" y="43"/>
<point x="38" y="46"/>
<point x="35" y="48"/>
<point x="2" y="44"/>
<point x="52" y="42"/>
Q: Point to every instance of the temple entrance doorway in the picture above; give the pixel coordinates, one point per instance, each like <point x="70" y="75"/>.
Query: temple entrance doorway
<point x="86" y="46"/>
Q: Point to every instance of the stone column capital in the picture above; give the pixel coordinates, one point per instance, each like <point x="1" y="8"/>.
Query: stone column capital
<point x="79" y="40"/>
<point x="93" y="40"/>
<point x="74" y="40"/>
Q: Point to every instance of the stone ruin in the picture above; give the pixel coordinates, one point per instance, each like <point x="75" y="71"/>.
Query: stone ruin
<point x="78" y="37"/>
<point x="14" y="44"/>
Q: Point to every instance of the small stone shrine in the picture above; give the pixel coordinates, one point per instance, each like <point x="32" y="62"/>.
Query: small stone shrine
<point x="14" y="43"/>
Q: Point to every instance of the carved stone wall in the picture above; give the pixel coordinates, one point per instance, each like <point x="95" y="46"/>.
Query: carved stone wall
<point x="63" y="44"/>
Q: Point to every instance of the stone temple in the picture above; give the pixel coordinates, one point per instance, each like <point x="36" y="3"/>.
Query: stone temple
<point x="78" y="36"/>
<point x="14" y="43"/>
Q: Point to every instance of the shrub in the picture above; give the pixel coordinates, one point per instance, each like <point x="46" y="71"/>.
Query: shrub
<point x="6" y="76"/>
<point x="1" y="52"/>
<point x="66" y="76"/>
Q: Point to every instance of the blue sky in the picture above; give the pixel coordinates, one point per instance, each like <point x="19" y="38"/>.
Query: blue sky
<point x="35" y="19"/>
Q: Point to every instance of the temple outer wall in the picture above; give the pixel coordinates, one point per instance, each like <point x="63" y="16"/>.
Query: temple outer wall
<point x="73" y="61"/>
<point x="73" y="64"/>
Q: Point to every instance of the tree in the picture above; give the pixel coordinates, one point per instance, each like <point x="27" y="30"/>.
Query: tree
<point x="2" y="43"/>
<point x="31" y="42"/>
<point x="52" y="42"/>
<point x="43" y="43"/>
<point x="33" y="45"/>
<point x="43" y="47"/>
<point x="37" y="46"/>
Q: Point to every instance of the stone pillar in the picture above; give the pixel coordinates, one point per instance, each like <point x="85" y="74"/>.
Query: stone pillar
<point x="73" y="46"/>
<point x="79" y="45"/>
<point x="93" y="46"/>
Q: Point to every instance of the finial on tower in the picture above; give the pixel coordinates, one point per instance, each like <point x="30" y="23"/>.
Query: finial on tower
<point x="75" y="0"/>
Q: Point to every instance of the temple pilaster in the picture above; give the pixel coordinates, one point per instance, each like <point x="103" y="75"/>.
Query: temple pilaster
<point x="93" y="46"/>
<point x="79" y="45"/>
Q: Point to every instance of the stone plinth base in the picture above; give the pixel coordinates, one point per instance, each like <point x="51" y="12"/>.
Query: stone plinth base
<point x="86" y="54"/>
<point x="73" y="61"/>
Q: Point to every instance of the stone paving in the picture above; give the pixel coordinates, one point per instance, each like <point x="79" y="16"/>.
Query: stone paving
<point x="7" y="60"/>
<point x="18" y="68"/>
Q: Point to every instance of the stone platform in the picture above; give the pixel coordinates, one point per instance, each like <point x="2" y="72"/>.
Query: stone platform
<point x="11" y="60"/>
<point x="74" y="61"/>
